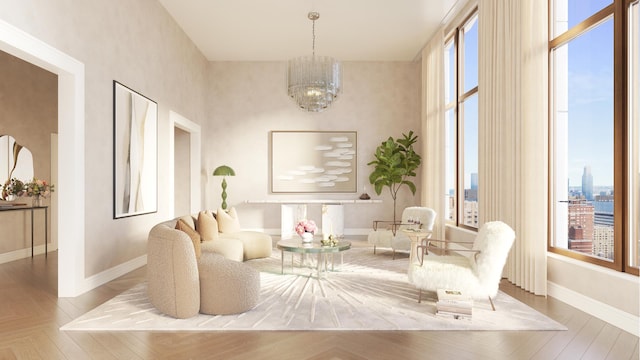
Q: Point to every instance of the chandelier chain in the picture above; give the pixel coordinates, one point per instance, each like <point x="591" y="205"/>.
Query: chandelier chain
<point x="313" y="38"/>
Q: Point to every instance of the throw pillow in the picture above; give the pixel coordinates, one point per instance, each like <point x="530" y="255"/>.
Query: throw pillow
<point x="195" y="237"/>
<point x="207" y="226"/>
<point x="228" y="221"/>
<point x="188" y="219"/>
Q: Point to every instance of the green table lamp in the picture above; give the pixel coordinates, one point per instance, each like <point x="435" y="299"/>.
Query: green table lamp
<point x="224" y="171"/>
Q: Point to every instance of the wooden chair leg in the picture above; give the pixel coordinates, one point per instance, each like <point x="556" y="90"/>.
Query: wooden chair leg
<point x="491" y="301"/>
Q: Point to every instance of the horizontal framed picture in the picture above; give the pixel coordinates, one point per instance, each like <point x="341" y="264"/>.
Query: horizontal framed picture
<point x="313" y="161"/>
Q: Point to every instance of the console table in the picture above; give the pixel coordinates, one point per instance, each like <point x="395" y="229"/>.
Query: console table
<point x="292" y="211"/>
<point x="31" y="209"/>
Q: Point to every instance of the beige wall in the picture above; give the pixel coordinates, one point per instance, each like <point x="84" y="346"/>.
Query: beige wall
<point x="29" y="113"/>
<point x="248" y="100"/>
<point x="138" y="44"/>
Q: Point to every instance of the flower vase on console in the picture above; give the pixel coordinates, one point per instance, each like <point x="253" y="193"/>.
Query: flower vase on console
<point x="37" y="201"/>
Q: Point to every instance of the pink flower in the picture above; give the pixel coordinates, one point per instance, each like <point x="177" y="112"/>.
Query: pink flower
<point x="306" y="226"/>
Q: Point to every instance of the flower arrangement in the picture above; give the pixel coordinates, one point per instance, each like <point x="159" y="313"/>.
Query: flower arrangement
<point x="306" y="226"/>
<point x="13" y="188"/>
<point x="39" y="188"/>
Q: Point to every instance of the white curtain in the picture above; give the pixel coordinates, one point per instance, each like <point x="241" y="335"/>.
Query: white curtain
<point x="513" y="131"/>
<point x="433" y="131"/>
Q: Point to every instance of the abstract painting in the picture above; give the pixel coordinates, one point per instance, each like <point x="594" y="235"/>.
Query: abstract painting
<point x="135" y="155"/>
<point x="313" y="161"/>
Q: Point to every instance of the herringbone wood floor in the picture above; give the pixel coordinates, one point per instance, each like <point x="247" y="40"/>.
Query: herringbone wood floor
<point x="31" y="314"/>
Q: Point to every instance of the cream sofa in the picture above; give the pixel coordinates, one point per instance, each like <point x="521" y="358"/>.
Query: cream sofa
<point x="186" y="277"/>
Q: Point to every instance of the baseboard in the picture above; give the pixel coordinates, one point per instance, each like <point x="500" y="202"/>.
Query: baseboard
<point x="23" y="253"/>
<point x="104" y="277"/>
<point x="602" y="311"/>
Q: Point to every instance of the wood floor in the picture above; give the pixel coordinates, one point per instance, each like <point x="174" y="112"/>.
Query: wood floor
<point x="31" y="315"/>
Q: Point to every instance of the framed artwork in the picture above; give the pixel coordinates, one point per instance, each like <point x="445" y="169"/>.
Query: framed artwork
<point x="135" y="153"/>
<point x="313" y="161"/>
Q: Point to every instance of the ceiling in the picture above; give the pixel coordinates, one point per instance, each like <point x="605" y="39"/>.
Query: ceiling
<point x="276" y="30"/>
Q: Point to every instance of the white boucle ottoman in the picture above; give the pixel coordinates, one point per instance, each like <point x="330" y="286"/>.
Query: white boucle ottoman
<point x="226" y="286"/>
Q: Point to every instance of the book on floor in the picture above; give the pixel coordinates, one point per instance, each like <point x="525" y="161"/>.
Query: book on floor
<point x="453" y="304"/>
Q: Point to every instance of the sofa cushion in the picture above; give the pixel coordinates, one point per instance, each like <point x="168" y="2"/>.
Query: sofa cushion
<point x="188" y="219"/>
<point x="207" y="226"/>
<point x="193" y="234"/>
<point x="228" y="221"/>
<point x="232" y="249"/>
<point x="255" y="244"/>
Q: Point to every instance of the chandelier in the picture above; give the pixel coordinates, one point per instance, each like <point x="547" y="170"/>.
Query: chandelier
<point x="314" y="82"/>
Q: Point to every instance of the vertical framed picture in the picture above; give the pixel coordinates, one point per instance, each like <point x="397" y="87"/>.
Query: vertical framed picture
<point x="135" y="153"/>
<point x="313" y="161"/>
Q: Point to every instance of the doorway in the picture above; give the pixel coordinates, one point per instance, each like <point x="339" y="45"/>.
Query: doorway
<point x="70" y="187"/>
<point x="185" y="151"/>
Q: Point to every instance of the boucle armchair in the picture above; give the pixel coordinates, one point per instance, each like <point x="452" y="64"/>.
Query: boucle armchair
<point x="477" y="276"/>
<point x="392" y="236"/>
<point x="181" y="285"/>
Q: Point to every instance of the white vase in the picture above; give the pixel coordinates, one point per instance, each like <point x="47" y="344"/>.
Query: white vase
<point x="307" y="237"/>
<point x="11" y="197"/>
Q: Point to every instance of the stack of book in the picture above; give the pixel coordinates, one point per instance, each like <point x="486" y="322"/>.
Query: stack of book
<point x="453" y="304"/>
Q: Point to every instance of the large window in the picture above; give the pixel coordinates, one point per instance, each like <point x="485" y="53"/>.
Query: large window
<point x="588" y="132"/>
<point x="634" y="135"/>
<point x="461" y="116"/>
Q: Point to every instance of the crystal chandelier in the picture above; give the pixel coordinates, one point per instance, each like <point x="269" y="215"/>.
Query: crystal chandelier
<point x="314" y="82"/>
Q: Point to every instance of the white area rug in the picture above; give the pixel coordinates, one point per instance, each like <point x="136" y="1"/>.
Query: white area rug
<point x="368" y="292"/>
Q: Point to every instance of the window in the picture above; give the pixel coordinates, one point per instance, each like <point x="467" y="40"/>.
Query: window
<point x="461" y="117"/>
<point x="587" y="133"/>
<point x="634" y="136"/>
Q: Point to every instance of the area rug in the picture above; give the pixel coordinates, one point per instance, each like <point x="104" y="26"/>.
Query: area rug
<point x="365" y="292"/>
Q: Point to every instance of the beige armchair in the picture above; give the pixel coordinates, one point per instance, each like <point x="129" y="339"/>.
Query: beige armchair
<point x="477" y="276"/>
<point x="181" y="285"/>
<point x="388" y="234"/>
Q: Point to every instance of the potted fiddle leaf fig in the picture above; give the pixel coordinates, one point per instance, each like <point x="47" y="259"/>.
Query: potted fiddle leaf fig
<point x="395" y="164"/>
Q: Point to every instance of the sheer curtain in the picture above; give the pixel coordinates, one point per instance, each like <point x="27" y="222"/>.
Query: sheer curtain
<point x="433" y="131"/>
<point x="513" y="131"/>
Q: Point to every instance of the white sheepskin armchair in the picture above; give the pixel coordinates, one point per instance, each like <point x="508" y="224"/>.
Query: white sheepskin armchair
<point x="477" y="276"/>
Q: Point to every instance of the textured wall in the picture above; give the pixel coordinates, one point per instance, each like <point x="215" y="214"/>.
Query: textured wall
<point x="138" y="44"/>
<point x="248" y="100"/>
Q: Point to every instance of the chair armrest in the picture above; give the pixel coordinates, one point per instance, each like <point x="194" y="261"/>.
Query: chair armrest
<point x="376" y="222"/>
<point x="392" y="225"/>
<point x="427" y="242"/>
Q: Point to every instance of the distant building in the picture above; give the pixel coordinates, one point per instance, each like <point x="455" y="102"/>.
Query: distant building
<point x="581" y="213"/>
<point x="474" y="181"/>
<point x="470" y="213"/>
<point x="587" y="183"/>
<point x="577" y="241"/>
<point x="470" y="195"/>
<point x="603" y="242"/>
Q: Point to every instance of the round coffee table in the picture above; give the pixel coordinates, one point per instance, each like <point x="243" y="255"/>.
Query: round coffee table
<point x="296" y="246"/>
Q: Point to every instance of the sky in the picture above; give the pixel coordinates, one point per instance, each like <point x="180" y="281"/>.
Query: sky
<point x="590" y="82"/>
